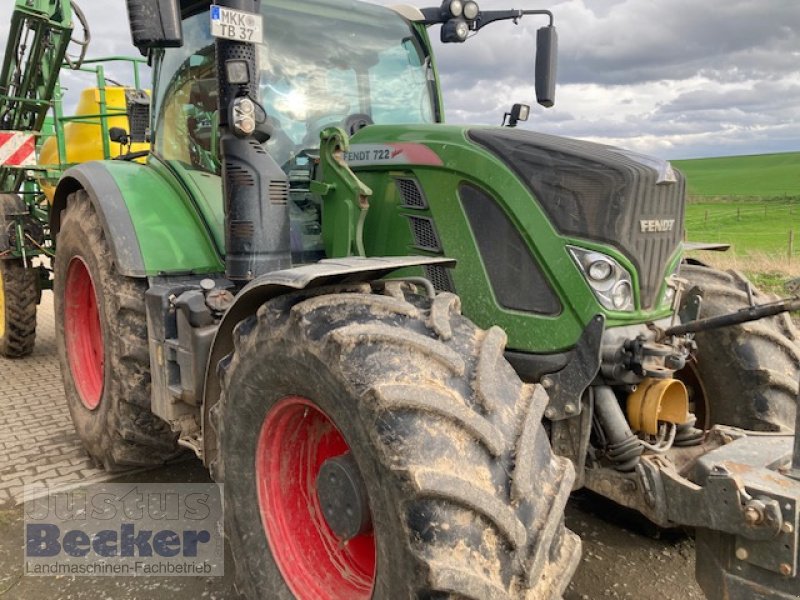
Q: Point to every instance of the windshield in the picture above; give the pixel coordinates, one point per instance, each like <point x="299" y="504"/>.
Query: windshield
<point x="321" y="62"/>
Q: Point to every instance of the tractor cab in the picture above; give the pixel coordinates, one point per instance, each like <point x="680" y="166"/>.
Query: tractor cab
<point x="319" y="66"/>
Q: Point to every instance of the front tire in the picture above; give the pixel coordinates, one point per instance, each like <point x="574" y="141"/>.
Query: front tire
<point x="464" y="495"/>
<point x="744" y="375"/>
<point x="101" y="333"/>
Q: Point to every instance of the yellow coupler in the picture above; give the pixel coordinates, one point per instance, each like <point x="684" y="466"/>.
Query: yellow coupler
<point x="83" y="140"/>
<point x="658" y="400"/>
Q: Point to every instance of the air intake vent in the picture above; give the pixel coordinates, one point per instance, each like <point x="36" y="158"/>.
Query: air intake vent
<point x="425" y="237"/>
<point x="259" y="148"/>
<point x="278" y="192"/>
<point x="239" y="175"/>
<point x="242" y="230"/>
<point x="440" y="278"/>
<point x="517" y="280"/>
<point x="411" y="193"/>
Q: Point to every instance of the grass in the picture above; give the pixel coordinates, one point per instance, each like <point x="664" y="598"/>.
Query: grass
<point x="751" y="202"/>
<point x="761" y="175"/>
<point x="751" y="227"/>
<point x="765" y="271"/>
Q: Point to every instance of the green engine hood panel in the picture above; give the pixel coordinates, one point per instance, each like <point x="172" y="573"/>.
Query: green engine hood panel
<point x="441" y="160"/>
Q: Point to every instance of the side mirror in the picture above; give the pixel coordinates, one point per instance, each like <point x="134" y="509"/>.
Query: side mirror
<point x="119" y="135"/>
<point x="546" y="60"/>
<point x="155" y="24"/>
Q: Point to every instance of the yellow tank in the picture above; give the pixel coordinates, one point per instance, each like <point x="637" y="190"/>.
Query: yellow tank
<point x="83" y="140"/>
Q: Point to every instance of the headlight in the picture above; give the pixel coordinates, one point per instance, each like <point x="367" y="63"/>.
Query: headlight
<point x="244" y="120"/>
<point x="600" y="269"/>
<point x="609" y="280"/>
<point x="471" y="10"/>
<point x="456" y="8"/>
<point x="622" y="295"/>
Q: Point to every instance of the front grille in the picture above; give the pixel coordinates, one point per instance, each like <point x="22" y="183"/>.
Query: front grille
<point x="598" y="193"/>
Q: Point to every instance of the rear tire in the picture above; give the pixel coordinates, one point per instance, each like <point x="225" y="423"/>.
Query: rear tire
<point x="19" y="295"/>
<point x="101" y="333"/>
<point x="465" y="495"/>
<point x="19" y="292"/>
<point x="744" y="375"/>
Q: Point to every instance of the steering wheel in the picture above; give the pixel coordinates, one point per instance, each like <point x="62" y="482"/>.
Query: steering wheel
<point x="351" y="124"/>
<point x="355" y="122"/>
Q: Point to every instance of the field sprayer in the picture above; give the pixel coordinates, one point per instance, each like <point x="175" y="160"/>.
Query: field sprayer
<point x="262" y="289"/>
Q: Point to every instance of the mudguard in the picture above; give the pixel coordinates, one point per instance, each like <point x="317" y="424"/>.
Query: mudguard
<point x="325" y="272"/>
<point x="151" y="224"/>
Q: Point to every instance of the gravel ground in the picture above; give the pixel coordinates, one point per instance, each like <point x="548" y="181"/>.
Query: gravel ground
<point x="624" y="557"/>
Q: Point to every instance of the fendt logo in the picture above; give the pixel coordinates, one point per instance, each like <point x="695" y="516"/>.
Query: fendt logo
<point x="657" y="225"/>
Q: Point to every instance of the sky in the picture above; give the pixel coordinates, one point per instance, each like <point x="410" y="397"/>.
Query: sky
<point x="671" y="78"/>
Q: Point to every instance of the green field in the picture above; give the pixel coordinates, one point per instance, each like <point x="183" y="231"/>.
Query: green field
<point x="753" y="203"/>
<point x="762" y="175"/>
<point x="752" y="227"/>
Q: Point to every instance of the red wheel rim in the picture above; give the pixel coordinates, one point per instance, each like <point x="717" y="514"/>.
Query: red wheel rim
<point x="84" y="338"/>
<point x="296" y="438"/>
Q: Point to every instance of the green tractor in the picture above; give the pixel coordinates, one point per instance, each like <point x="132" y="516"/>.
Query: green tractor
<point x="276" y="289"/>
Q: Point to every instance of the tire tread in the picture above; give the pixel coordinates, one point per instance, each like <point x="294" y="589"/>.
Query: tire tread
<point x="456" y="385"/>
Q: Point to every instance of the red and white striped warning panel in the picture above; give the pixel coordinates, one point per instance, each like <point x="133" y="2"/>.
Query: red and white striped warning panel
<point x="17" y="149"/>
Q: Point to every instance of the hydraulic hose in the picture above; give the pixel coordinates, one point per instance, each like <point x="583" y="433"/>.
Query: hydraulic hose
<point x="75" y="63"/>
<point x="624" y="448"/>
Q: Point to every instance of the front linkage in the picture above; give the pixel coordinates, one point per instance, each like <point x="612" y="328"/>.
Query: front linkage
<point x="739" y="489"/>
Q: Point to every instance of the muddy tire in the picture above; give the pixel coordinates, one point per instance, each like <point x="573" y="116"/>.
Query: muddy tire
<point x="101" y="333"/>
<point x="19" y="293"/>
<point x="744" y="375"/>
<point x="464" y="496"/>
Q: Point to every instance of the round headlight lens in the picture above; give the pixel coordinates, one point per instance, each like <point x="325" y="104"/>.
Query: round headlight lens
<point x="622" y="295"/>
<point x="600" y="270"/>
<point x="456" y="8"/>
<point x="471" y="10"/>
<point x="462" y="30"/>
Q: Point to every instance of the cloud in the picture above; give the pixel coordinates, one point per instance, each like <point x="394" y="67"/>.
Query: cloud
<point x="677" y="78"/>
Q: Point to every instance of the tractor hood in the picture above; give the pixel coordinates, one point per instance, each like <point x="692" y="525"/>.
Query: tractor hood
<point x="597" y="192"/>
<point x="590" y="191"/>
